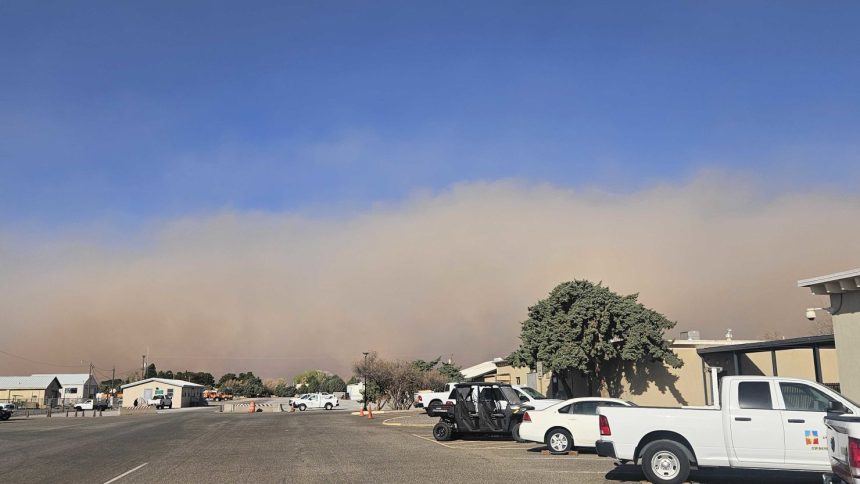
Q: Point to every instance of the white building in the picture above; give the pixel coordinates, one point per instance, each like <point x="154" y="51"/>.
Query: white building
<point x="75" y="386"/>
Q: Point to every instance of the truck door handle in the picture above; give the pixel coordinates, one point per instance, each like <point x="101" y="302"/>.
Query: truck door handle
<point x="743" y="419"/>
<point x="796" y="420"/>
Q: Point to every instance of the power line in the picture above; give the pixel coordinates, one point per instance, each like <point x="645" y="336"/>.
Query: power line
<point x="39" y="362"/>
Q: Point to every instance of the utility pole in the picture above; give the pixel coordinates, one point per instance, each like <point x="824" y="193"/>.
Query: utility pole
<point x="112" y="385"/>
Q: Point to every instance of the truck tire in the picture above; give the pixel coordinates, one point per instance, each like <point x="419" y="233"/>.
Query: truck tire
<point x="303" y="407"/>
<point x="78" y="407"/>
<point x="443" y="431"/>
<point x="515" y="433"/>
<point x="665" y="462"/>
<point x="329" y="406"/>
<point x="433" y="404"/>
<point x="5" y="416"/>
<point x="559" y="440"/>
<point x="170" y="406"/>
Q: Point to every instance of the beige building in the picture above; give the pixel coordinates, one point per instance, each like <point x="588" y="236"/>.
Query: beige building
<point x="656" y="384"/>
<point x="30" y="391"/>
<point x="843" y="290"/>
<point x="75" y="386"/>
<point x="182" y="393"/>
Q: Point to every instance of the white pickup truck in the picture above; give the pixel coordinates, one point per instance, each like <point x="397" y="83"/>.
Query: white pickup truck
<point x="316" y="400"/>
<point x="91" y="404"/>
<point x="759" y="423"/>
<point x="429" y="399"/>
<point x="843" y="435"/>
<point x="160" y="401"/>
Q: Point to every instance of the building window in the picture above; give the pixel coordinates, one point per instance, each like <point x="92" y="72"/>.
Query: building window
<point x="518" y="380"/>
<point x="71" y="390"/>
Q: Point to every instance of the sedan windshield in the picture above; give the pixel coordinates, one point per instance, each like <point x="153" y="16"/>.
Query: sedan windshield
<point x="532" y="393"/>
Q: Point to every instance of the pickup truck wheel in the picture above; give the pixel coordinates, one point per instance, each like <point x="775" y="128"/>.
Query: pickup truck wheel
<point x="432" y="405"/>
<point x="328" y="406"/>
<point x="5" y="416"/>
<point x="559" y="440"/>
<point x="442" y="431"/>
<point x="303" y="407"/>
<point x="665" y="462"/>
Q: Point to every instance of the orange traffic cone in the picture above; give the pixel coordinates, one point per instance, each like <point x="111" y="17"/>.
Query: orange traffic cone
<point x="252" y="408"/>
<point x="369" y="411"/>
<point x="361" y="412"/>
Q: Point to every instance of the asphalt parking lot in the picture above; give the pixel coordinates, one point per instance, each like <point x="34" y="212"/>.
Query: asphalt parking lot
<point x="313" y="446"/>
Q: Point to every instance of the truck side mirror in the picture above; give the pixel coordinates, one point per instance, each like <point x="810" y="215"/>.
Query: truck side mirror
<point x="836" y="406"/>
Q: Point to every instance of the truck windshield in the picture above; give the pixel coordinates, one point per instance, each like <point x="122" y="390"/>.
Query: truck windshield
<point x="532" y="393"/>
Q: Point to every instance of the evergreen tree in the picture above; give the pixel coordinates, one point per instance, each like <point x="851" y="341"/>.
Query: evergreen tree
<point x="581" y="326"/>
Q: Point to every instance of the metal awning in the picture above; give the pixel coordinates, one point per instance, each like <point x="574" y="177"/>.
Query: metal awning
<point x="815" y="343"/>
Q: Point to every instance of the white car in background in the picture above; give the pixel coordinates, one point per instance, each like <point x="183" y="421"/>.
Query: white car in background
<point x="571" y="423"/>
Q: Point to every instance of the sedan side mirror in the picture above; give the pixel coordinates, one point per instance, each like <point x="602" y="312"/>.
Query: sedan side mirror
<point x="836" y="406"/>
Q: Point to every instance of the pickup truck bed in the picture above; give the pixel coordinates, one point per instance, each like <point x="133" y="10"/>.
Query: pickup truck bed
<point x="844" y="446"/>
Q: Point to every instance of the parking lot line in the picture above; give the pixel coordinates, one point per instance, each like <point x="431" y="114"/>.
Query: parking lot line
<point x="126" y="473"/>
<point x="433" y="440"/>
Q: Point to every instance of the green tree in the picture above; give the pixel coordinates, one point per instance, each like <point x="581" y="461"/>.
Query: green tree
<point x="333" y="384"/>
<point x="581" y="326"/>
<point x="451" y="372"/>
<point x="151" y="372"/>
<point x="353" y="380"/>
<point x="426" y="366"/>
<point x="166" y="374"/>
<point x="225" y="378"/>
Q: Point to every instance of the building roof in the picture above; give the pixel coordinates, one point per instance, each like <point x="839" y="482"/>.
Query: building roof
<point x="33" y="382"/>
<point x="836" y="283"/>
<point x="823" y="341"/>
<point x="69" y="378"/>
<point x="166" y="381"/>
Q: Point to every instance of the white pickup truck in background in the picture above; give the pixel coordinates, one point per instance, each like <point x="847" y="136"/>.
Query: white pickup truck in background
<point x="91" y="404"/>
<point x="427" y="399"/>
<point x="843" y="446"/>
<point x="160" y="401"/>
<point x="760" y="423"/>
<point x="316" y="400"/>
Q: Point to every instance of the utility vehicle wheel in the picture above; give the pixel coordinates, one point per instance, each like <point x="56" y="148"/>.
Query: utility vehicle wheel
<point x="665" y="462"/>
<point x="5" y="416"/>
<point x="559" y="440"/>
<point x="170" y="406"/>
<point x="328" y="406"/>
<point x="78" y="408"/>
<point x="303" y="407"/>
<point x="442" y="431"/>
<point x="515" y="433"/>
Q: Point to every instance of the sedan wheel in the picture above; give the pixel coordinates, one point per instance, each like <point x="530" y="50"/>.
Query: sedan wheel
<point x="559" y="440"/>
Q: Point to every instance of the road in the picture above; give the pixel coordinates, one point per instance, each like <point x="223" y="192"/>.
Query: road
<point x="314" y="446"/>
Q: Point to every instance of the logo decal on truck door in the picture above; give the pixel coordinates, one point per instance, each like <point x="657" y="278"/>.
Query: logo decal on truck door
<point x="811" y="437"/>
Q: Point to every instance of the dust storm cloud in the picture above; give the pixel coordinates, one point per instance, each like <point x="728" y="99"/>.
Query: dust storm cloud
<point x="435" y="274"/>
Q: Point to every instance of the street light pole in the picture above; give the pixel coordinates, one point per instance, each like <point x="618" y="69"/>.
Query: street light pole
<point x="365" y="381"/>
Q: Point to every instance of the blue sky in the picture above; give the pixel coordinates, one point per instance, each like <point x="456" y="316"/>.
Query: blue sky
<point x="122" y="112"/>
